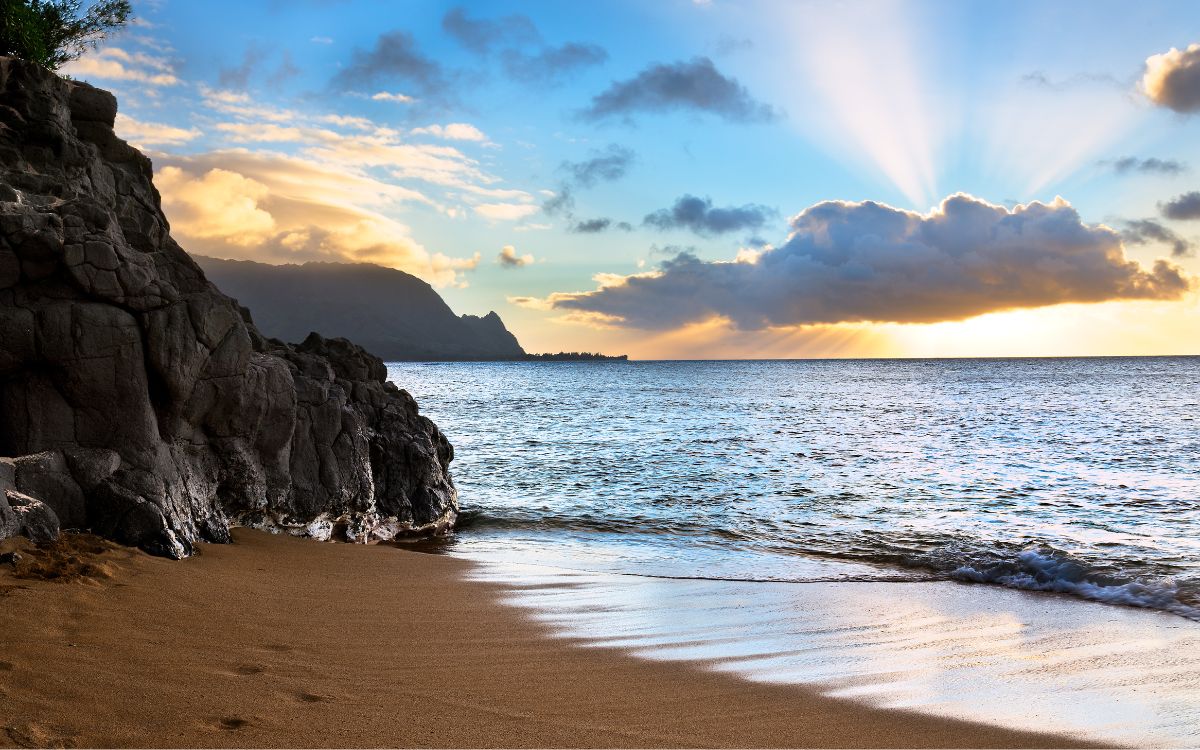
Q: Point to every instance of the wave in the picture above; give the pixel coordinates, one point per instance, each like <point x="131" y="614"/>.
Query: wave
<point x="1028" y="567"/>
<point x="1045" y="569"/>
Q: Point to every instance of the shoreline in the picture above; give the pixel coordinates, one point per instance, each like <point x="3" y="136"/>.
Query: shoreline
<point x="275" y="641"/>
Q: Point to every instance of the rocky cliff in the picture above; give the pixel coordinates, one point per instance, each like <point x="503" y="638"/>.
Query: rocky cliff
<point x="140" y="402"/>
<point x="391" y="313"/>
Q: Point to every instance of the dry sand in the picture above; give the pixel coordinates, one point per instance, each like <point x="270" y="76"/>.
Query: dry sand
<point x="279" y="642"/>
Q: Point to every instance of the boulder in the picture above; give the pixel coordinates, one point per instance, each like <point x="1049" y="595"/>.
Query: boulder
<point x="46" y="477"/>
<point x="142" y="403"/>
<point x="34" y="519"/>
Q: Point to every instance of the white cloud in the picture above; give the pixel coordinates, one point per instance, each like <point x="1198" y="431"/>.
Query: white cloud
<point x="455" y="131"/>
<point x="114" y="63"/>
<point x="384" y="96"/>
<point x="142" y="134"/>
<point x="506" y="211"/>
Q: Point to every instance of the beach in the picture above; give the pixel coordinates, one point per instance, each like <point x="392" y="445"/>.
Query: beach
<point x="281" y="642"/>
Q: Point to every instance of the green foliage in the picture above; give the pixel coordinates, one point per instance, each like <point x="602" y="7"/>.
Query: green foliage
<point x="52" y="32"/>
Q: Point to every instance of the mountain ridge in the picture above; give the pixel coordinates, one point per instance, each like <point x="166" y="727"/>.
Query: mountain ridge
<point x="391" y="313"/>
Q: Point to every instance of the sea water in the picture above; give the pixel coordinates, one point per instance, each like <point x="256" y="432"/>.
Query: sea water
<point x="996" y="539"/>
<point x="1080" y="476"/>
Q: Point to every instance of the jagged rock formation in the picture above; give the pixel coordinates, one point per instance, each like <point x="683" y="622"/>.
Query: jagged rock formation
<point x="141" y="402"/>
<point x="390" y="313"/>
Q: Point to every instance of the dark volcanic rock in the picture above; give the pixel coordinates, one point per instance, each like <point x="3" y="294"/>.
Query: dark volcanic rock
<point x="140" y="401"/>
<point x="33" y="518"/>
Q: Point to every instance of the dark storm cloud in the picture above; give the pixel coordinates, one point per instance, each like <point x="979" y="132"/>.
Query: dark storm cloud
<point x="1186" y="206"/>
<point x="1147" y="231"/>
<point x="394" y="59"/>
<point x="604" y="166"/>
<point x="699" y="216"/>
<point x="1131" y="165"/>
<point x="523" y="54"/>
<point x="695" y="85"/>
<point x="857" y="262"/>
<point x="1172" y="79"/>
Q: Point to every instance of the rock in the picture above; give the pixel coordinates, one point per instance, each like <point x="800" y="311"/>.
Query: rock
<point x="141" y="402"/>
<point x="10" y="558"/>
<point x="46" y="477"/>
<point x="35" y="520"/>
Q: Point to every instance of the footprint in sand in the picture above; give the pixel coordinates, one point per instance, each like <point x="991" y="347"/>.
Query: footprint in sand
<point x="233" y="723"/>
<point x="248" y="669"/>
<point x="313" y="698"/>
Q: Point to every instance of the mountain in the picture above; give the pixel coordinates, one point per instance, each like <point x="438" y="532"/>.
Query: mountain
<point x="392" y="314"/>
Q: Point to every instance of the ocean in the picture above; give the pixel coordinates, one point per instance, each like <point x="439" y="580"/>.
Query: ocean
<point x="1077" y="476"/>
<point x="1013" y="541"/>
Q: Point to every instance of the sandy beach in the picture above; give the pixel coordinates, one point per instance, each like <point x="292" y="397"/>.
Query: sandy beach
<point x="274" y="641"/>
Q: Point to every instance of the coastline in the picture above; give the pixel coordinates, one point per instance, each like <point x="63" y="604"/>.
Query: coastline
<point x="274" y="641"/>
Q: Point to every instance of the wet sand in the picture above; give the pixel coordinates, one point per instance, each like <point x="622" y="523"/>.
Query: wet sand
<point x="279" y="642"/>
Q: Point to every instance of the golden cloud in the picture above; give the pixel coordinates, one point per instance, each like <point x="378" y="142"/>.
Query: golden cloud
<point x="1172" y="79"/>
<point x="277" y="209"/>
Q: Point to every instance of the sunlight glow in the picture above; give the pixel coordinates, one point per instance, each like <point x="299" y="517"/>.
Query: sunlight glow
<point x="871" y="98"/>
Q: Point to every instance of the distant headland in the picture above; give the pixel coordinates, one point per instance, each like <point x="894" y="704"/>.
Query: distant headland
<point x="392" y="314"/>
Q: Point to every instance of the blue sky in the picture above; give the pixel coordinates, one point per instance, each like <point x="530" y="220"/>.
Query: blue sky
<point x="279" y="132"/>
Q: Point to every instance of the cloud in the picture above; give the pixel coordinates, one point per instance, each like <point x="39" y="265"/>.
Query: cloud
<point x="726" y="44"/>
<point x="699" y="216"/>
<point x="604" y="166"/>
<point x="238" y="77"/>
<point x="1146" y="231"/>
<point x="868" y="262"/>
<point x="482" y="36"/>
<point x="394" y="57"/>
<point x="1039" y="79"/>
<point x="321" y="40"/>
<point x="595" y="226"/>
<point x="277" y="208"/>
<point x="116" y="64"/>
<point x="455" y="131"/>
<point x="561" y="202"/>
<point x="695" y="85"/>
<point x="218" y="204"/>
<point x="508" y="258"/>
<point x="1172" y="79"/>
<point x="286" y="71"/>
<point x="142" y="134"/>
<point x="551" y="64"/>
<point x="515" y="38"/>
<point x="1131" y="164"/>
<point x="506" y="211"/>
<point x="384" y="96"/>
<point x="1186" y="206"/>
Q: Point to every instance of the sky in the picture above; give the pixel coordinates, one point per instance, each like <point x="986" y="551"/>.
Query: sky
<point x="700" y="179"/>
